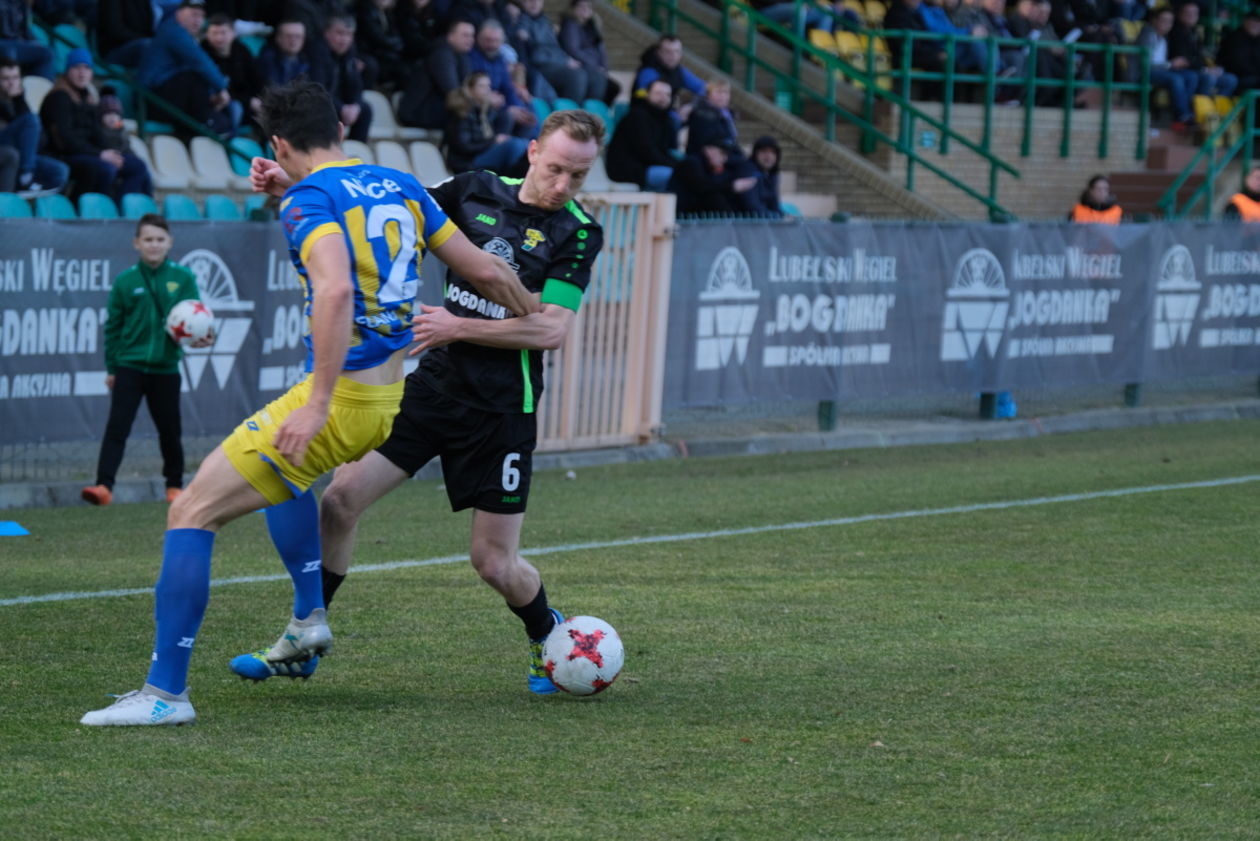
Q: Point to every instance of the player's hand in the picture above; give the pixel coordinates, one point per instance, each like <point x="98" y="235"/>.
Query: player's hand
<point x="433" y="327"/>
<point x="297" y="430"/>
<point x="266" y="176"/>
<point x="206" y="342"/>
<point x="109" y="381"/>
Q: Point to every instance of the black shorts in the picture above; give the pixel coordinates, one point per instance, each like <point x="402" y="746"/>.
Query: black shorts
<point x="487" y="457"/>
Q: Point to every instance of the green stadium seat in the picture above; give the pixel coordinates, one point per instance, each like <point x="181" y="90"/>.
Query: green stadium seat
<point x="13" y="206"/>
<point x="250" y="147"/>
<point x="179" y="208"/>
<point x="97" y="206"/>
<point x="222" y="209"/>
<point x="54" y="207"/>
<point x="135" y="205"/>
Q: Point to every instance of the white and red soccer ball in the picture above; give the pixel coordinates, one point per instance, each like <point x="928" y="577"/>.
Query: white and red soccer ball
<point x="583" y="655"/>
<point x="190" y="321"/>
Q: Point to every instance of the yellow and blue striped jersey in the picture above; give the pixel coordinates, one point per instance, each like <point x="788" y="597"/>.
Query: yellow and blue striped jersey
<point x="387" y="220"/>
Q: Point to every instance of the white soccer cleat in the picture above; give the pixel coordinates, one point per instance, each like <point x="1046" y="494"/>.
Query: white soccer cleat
<point x="303" y="639"/>
<point x="139" y="708"/>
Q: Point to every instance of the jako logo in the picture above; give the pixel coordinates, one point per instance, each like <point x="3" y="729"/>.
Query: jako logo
<point x="976" y="307"/>
<point x="727" y="323"/>
<point x="218" y="291"/>
<point x="1176" y="299"/>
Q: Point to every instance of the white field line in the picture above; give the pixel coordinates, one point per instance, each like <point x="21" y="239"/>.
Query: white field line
<point x="675" y="538"/>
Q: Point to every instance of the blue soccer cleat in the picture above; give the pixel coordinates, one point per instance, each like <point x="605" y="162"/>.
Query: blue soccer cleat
<point x="539" y="683"/>
<point x="256" y="667"/>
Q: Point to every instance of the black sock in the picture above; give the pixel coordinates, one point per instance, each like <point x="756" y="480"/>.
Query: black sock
<point x="331" y="582"/>
<point x="536" y="615"/>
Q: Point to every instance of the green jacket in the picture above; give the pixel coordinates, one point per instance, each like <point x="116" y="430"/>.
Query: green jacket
<point x="135" y="331"/>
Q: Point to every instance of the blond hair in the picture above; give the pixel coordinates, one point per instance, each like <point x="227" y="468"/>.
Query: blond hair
<point x="577" y="124"/>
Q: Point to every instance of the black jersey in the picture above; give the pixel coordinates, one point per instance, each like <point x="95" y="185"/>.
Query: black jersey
<point x="552" y="252"/>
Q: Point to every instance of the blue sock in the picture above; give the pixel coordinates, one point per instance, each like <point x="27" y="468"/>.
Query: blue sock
<point x="181" y="596"/>
<point x="294" y="527"/>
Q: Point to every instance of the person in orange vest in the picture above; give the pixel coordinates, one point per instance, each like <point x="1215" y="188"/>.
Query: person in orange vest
<point x="1097" y="205"/>
<point x="1245" y="204"/>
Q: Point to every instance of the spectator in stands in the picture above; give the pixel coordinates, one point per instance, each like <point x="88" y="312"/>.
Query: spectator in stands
<point x="237" y="63"/>
<point x="711" y="123"/>
<point x="1092" y="20"/>
<point x="284" y="58"/>
<point x="420" y="26"/>
<point x="664" y="61"/>
<point x="1245" y="204"/>
<point x="925" y="54"/>
<point x="1240" y="52"/>
<point x="489" y="57"/>
<point x="72" y="122"/>
<point x="582" y="36"/>
<point x="26" y="172"/>
<point x="16" y="41"/>
<point x="827" y="16"/>
<point x="540" y="50"/>
<point x="1173" y="75"/>
<point x="763" y="199"/>
<point x="423" y="102"/>
<point x="378" y="44"/>
<point x="176" y="68"/>
<point x="1129" y="9"/>
<point x="1097" y="206"/>
<point x="706" y="185"/>
<point x="969" y="56"/>
<point x="1184" y="43"/>
<point x="123" y="29"/>
<point x="337" y="69"/>
<point x="643" y="149"/>
<point x="477" y="133"/>
<point x="54" y="12"/>
<point x="1031" y="21"/>
<point x="478" y="12"/>
<point x="1011" y="60"/>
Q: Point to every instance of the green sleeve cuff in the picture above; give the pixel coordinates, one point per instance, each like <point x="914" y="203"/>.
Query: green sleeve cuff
<point x="562" y="294"/>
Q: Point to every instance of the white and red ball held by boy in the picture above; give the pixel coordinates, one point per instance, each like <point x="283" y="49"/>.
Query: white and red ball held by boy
<point x="583" y="655"/>
<point x="189" y="322"/>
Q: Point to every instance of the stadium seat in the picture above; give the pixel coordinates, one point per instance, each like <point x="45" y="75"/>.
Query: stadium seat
<point x="619" y="110"/>
<point x="391" y="154"/>
<point x="135" y="205"/>
<point x="66" y="32"/>
<point x="171" y="167"/>
<point x="250" y="147"/>
<point x="360" y="150"/>
<point x="822" y="40"/>
<point x="599" y="109"/>
<point x="253" y="43"/>
<point x="55" y="206"/>
<point x="541" y="109"/>
<point x="789" y="209"/>
<point x="210" y="162"/>
<point x="13" y="206"/>
<point x="255" y="206"/>
<point x="179" y="208"/>
<point x="222" y="208"/>
<point x="427" y="163"/>
<point x="624" y="79"/>
<point x="97" y="206"/>
<point x="562" y="104"/>
<point x="36" y="88"/>
<point x="597" y="179"/>
<point x="385" y="125"/>
<point x="875" y="13"/>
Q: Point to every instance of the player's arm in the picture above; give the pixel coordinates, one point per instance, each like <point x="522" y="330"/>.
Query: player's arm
<point x="491" y="276"/>
<point x="332" y="310"/>
<point x="542" y="330"/>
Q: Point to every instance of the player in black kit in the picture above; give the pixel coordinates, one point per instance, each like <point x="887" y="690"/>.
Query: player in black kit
<point x="472" y="399"/>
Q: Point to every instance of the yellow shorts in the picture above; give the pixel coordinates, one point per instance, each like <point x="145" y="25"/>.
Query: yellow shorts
<point x="359" y="420"/>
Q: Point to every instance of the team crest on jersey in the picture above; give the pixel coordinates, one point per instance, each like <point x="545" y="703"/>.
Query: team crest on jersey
<point x="533" y="237"/>
<point x="500" y="247"/>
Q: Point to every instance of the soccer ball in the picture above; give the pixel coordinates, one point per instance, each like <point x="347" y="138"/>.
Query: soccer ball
<point x="583" y="655"/>
<point x="190" y="321"/>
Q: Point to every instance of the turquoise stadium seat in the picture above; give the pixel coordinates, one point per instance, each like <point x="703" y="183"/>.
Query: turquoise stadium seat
<point x="789" y="209"/>
<point x="619" y="110"/>
<point x="135" y="205"/>
<point x="254" y="207"/>
<point x="253" y="43"/>
<point x="67" y="32"/>
<point x="250" y="148"/>
<point x="54" y="207"/>
<point x="222" y="208"/>
<point x="599" y="109"/>
<point x="13" y="206"/>
<point x="180" y="208"/>
<point x="541" y="109"/>
<point x="97" y="206"/>
<point x="562" y="104"/>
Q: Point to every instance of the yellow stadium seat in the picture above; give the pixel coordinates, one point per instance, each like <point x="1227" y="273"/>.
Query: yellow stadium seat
<point x="822" y="40"/>
<point x="1204" y="110"/>
<point x="850" y="45"/>
<point x="875" y="11"/>
<point x="1225" y="104"/>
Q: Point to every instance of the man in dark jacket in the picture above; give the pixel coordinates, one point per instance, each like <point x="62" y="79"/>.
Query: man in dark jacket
<point x="72" y="122"/>
<point x="30" y="174"/>
<point x="925" y="53"/>
<point x="642" y="147"/>
<point x="284" y="58"/>
<point x="1240" y="52"/>
<point x="237" y="63"/>
<point x="763" y="199"/>
<point x="176" y="68"/>
<point x="1183" y="42"/>
<point x="423" y="103"/>
<point x="706" y="185"/>
<point x="123" y="28"/>
<point x="541" y="52"/>
<point x="17" y="43"/>
<point x="336" y="67"/>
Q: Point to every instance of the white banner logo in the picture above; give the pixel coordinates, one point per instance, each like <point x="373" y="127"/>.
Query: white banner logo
<point x="218" y="291"/>
<point x="727" y="323"/>
<point x="1176" y="299"/>
<point x="976" y="306"/>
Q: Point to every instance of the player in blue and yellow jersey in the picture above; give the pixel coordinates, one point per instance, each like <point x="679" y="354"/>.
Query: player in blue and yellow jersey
<point x="356" y="234"/>
<point x="472" y="401"/>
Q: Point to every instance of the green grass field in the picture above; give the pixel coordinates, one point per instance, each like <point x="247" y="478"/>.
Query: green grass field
<point x="1084" y="669"/>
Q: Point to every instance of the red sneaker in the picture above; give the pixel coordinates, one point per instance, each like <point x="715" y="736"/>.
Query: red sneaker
<point x="171" y="493"/>
<point x="97" y="495"/>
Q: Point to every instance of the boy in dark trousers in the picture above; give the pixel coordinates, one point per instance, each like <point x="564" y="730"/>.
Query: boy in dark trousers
<point x="141" y="360"/>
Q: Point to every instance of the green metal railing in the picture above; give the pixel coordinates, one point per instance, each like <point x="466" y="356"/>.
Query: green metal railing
<point x="1218" y="152"/>
<point x="665" y="14"/>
